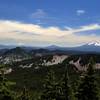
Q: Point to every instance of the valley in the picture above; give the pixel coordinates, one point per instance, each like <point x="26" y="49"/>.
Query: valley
<point x="31" y="66"/>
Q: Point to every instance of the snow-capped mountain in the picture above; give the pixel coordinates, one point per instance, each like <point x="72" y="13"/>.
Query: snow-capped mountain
<point x="89" y="47"/>
<point x="94" y="43"/>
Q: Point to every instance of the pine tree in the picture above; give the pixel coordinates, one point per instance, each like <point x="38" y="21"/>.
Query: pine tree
<point x="51" y="88"/>
<point x="24" y="95"/>
<point x="88" y="88"/>
<point x="5" y="92"/>
<point x="25" y="92"/>
<point x="66" y="90"/>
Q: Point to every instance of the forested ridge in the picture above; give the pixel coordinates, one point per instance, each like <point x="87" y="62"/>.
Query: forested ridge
<point x="58" y="82"/>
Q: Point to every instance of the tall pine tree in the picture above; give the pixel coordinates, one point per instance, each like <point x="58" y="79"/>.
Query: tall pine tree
<point x="66" y="90"/>
<point x="5" y="92"/>
<point x="24" y="95"/>
<point x="88" y="87"/>
<point x="51" y="88"/>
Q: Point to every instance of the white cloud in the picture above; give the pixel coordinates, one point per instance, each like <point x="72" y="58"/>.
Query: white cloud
<point x="39" y="13"/>
<point x="80" y="12"/>
<point x="24" y="33"/>
<point x="88" y="28"/>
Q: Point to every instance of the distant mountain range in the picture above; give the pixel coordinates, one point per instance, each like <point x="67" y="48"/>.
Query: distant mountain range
<point x="89" y="47"/>
<point x="93" y="47"/>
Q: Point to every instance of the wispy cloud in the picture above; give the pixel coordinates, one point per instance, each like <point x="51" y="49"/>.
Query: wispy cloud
<point x="30" y="33"/>
<point x="88" y="28"/>
<point x="80" y="12"/>
<point x="39" y="13"/>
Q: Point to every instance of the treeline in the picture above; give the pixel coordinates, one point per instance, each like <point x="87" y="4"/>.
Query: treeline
<point x="53" y="89"/>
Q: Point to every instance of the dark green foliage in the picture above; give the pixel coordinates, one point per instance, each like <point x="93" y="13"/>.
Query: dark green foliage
<point x="66" y="90"/>
<point x="88" y="88"/>
<point x="50" y="88"/>
<point x="24" y="95"/>
<point x="57" y="90"/>
<point x="5" y="92"/>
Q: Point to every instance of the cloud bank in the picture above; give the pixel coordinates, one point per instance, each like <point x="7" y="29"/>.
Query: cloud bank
<point x="32" y="34"/>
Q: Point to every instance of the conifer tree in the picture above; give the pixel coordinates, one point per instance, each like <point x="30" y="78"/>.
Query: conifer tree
<point x="25" y="92"/>
<point x="88" y="88"/>
<point x="51" y="88"/>
<point x="5" y="92"/>
<point x="66" y="90"/>
<point x="24" y="95"/>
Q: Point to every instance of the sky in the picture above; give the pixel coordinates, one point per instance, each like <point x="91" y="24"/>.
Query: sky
<point x="49" y="22"/>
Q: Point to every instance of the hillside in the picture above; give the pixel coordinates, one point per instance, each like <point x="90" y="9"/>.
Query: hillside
<point x="31" y="72"/>
<point x="31" y="67"/>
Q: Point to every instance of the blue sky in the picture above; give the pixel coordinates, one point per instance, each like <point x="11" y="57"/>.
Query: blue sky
<point x="47" y="22"/>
